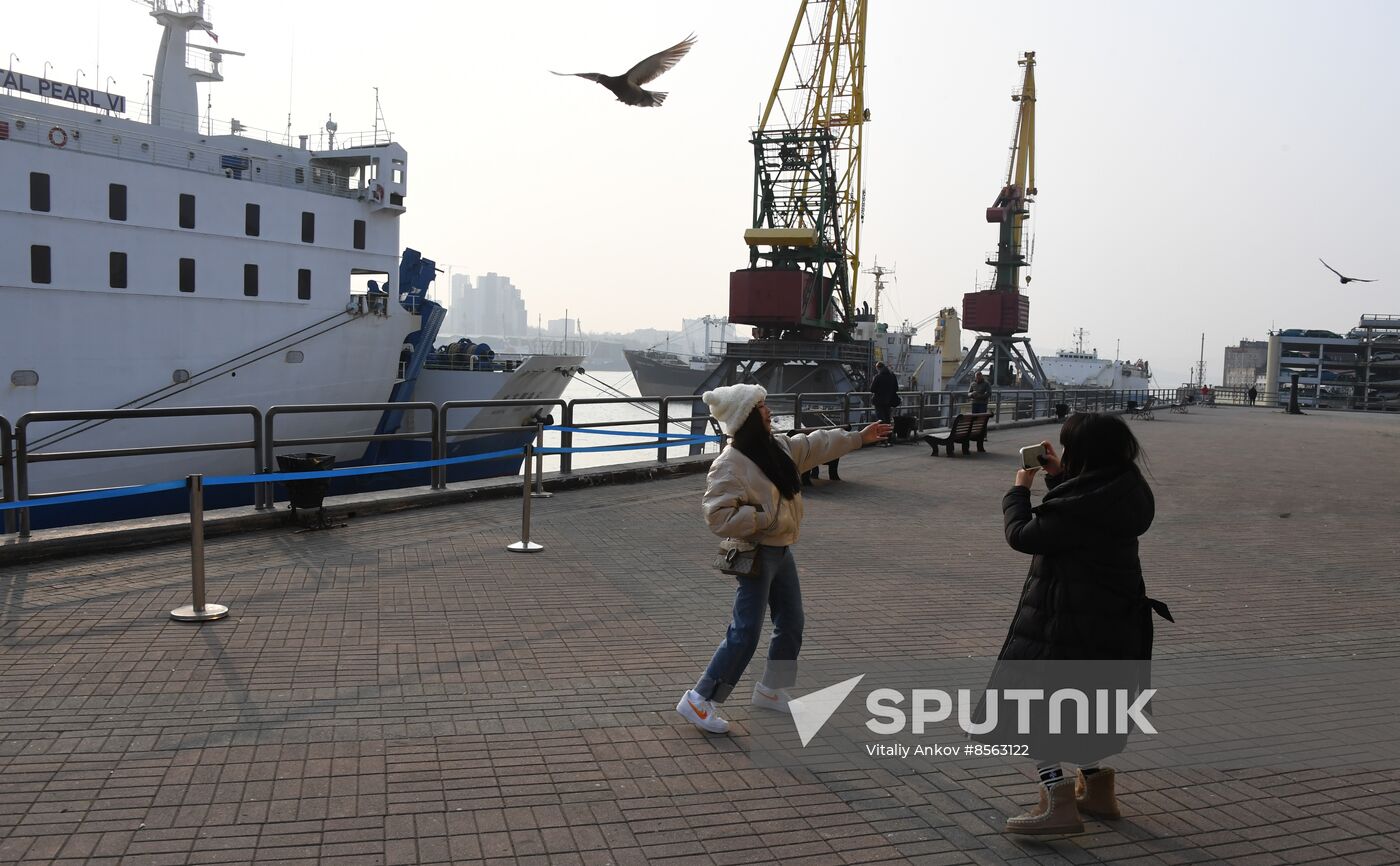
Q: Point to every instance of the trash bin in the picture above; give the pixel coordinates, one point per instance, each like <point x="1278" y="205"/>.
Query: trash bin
<point x="311" y="492"/>
<point x="904" y="426"/>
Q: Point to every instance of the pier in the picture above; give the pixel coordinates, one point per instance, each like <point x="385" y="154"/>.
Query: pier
<point x="405" y="691"/>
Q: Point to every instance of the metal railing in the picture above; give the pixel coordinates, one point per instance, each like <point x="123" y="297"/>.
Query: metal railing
<point x="148" y="145"/>
<point x="851" y="410"/>
<point x="445" y="432"/>
<point x="271" y="443"/>
<point x="7" y="472"/>
<point x="23" y="459"/>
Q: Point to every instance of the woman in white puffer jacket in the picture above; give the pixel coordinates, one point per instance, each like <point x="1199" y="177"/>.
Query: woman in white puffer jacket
<point x="754" y="495"/>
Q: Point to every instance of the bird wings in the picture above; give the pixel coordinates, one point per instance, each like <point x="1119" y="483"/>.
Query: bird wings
<point x="591" y="76"/>
<point x="653" y="66"/>
<point x="1345" y="279"/>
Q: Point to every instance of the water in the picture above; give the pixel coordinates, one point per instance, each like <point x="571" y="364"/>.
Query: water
<point x="614" y="384"/>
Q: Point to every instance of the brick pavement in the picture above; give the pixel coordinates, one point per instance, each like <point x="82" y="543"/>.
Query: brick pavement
<point x="403" y="691"/>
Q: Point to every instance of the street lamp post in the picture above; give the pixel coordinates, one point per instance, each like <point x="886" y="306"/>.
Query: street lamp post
<point x="13" y="58"/>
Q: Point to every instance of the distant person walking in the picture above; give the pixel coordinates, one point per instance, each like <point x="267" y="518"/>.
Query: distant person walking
<point x="1085" y="598"/>
<point x="884" y="393"/>
<point x="979" y="393"/>
<point x="1253" y="394"/>
<point x="753" y="494"/>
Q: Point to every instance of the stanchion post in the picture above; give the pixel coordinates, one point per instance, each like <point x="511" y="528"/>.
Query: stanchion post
<point x="525" y="545"/>
<point x="539" y="492"/>
<point x="663" y="417"/>
<point x="199" y="611"/>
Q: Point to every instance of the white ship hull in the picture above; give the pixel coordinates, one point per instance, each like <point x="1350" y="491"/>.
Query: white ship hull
<point x="147" y="265"/>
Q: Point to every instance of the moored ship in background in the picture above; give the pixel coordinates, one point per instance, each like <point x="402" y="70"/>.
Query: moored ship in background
<point x="149" y="265"/>
<point x="1083" y="368"/>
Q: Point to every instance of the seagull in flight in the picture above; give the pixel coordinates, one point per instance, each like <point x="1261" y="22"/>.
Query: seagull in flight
<point x="627" y="87"/>
<point x="1345" y="280"/>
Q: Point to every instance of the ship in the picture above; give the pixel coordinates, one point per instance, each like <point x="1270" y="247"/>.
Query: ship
<point x="917" y="366"/>
<point x="1083" y="368"/>
<point x="662" y="373"/>
<point x="146" y="263"/>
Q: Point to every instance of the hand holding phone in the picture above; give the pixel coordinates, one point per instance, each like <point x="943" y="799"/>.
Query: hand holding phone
<point x="1033" y="456"/>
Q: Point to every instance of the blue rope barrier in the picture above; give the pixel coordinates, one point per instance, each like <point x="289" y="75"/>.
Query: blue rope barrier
<point x="114" y="493"/>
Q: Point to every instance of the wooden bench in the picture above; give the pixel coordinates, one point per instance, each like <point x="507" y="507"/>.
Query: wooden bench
<point x="1142" y="412"/>
<point x="966" y="429"/>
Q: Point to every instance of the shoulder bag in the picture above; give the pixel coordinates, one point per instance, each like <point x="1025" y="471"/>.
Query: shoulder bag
<point x="739" y="557"/>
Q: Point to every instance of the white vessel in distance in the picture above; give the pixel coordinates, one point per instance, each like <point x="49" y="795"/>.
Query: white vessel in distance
<point x="147" y="264"/>
<point x="1083" y="368"/>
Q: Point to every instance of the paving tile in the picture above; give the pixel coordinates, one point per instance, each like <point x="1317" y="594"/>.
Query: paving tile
<point x="405" y="691"/>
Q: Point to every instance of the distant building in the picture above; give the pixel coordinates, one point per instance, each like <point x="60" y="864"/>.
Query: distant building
<point x="492" y="307"/>
<point x="1245" y="363"/>
<point x="562" y="327"/>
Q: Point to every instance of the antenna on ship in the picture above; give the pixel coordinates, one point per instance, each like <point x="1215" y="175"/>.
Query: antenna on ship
<point x="1079" y="335"/>
<point x="879" y="272"/>
<point x="379" y="118"/>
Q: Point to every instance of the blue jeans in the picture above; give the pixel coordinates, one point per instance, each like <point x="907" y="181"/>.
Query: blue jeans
<point x="774" y="589"/>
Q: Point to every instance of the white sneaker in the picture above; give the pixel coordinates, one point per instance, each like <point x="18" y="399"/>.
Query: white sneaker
<point x="777" y="700"/>
<point x="701" y="713"/>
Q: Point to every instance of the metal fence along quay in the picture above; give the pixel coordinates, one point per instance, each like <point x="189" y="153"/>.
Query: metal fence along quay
<point x="654" y="423"/>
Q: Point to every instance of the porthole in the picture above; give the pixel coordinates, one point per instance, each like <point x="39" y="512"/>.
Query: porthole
<point x="180" y="376"/>
<point x="295" y="356"/>
<point x="24" y="378"/>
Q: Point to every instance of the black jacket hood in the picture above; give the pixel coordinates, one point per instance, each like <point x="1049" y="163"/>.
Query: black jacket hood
<point x="1115" y="500"/>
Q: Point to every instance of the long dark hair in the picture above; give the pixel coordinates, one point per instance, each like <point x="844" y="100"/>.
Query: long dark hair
<point x="757" y="444"/>
<point x="1091" y="441"/>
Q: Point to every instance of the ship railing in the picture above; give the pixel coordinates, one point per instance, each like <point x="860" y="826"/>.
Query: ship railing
<point x="149" y="146"/>
<point x="23" y="458"/>
<point x="460" y="361"/>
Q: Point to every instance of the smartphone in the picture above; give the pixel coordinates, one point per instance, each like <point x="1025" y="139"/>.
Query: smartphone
<point x="1031" y="456"/>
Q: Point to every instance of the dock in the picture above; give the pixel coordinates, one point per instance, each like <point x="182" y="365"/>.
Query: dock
<point x="403" y="690"/>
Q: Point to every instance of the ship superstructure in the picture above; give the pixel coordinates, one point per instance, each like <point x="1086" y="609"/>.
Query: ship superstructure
<point x="152" y="265"/>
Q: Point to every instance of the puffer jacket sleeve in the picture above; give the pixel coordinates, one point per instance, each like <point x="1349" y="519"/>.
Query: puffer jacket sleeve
<point x="727" y="510"/>
<point x="821" y="446"/>
<point x="1032" y="533"/>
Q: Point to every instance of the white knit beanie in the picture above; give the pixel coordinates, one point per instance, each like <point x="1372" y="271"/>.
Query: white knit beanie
<point x="732" y="404"/>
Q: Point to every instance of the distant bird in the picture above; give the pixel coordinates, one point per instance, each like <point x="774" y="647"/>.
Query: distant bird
<point x="627" y="87"/>
<point x="1345" y="280"/>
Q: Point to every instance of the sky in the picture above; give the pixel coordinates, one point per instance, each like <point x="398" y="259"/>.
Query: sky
<point x="1194" y="159"/>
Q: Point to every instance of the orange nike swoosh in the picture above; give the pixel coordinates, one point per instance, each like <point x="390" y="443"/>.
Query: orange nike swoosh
<point x="769" y="697"/>
<point x="699" y="712"/>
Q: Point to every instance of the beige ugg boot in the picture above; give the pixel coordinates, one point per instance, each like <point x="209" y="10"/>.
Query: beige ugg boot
<point x="1054" y="815"/>
<point x="1094" y="794"/>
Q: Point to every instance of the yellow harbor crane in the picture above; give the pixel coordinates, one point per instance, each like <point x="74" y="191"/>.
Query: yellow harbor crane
<point x="804" y="242"/>
<point x="1002" y="313"/>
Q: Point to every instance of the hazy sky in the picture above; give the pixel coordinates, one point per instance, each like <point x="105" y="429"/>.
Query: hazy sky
<point x="1194" y="158"/>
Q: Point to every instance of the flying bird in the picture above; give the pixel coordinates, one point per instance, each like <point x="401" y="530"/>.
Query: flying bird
<point x="627" y="87"/>
<point x="1345" y="280"/>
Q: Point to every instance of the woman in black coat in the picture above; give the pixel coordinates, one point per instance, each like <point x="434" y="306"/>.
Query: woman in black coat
<point x="1083" y="601"/>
